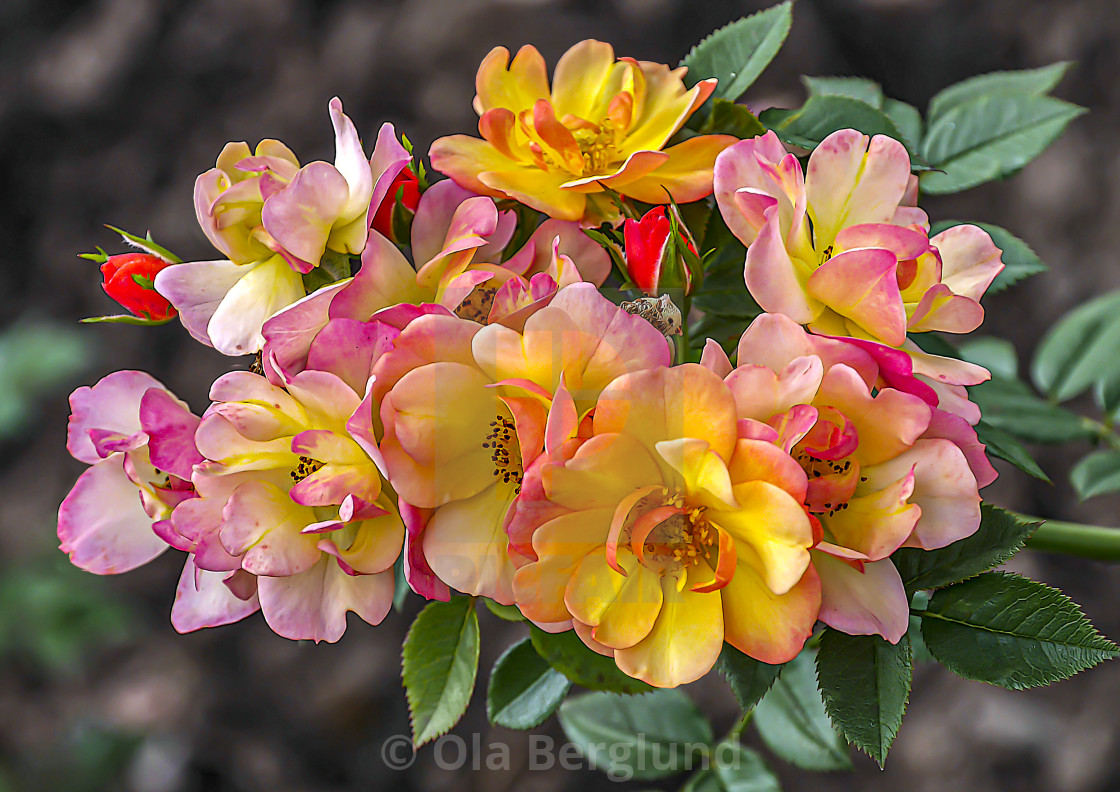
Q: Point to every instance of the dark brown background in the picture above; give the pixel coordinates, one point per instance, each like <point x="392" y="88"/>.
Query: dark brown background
<point x="109" y="109"/>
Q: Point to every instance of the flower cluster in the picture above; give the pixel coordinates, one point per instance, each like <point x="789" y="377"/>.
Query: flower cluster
<point x="444" y="397"/>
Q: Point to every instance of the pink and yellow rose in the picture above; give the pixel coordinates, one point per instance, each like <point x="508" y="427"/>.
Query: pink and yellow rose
<point x="604" y="123"/>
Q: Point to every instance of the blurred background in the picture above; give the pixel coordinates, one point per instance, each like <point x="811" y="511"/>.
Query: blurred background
<point x="108" y="111"/>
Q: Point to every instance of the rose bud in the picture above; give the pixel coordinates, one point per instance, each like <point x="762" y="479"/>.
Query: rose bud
<point x="653" y="257"/>
<point x="129" y="280"/>
<point x="394" y="215"/>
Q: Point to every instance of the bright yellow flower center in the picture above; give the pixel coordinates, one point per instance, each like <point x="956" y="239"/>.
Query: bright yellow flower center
<point x="598" y="146"/>
<point x="668" y="535"/>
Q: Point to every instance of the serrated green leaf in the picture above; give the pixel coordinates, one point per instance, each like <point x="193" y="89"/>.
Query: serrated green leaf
<point x="865" y="90"/>
<point x="641" y="737"/>
<point x="569" y="655"/>
<point x="997" y="355"/>
<point x="734" y="768"/>
<point x="990" y="136"/>
<point x="524" y="690"/>
<point x="1080" y="349"/>
<point x="749" y="678"/>
<point x="820" y="116"/>
<point x="1010" y="631"/>
<point x="1004" y="446"/>
<point x="728" y="118"/>
<point x="126" y="319"/>
<point x="1030" y="81"/>
<point x="792" y="721"/>
<point x="439" y="665"/>
<point x="1019" y="260"/>
<point x="865" y="683"/>
<point x="908" y="120"/>
<point x="914" y="632"/>
<point x="1096" y="474"/>
<point x="1001" y="534"/>
<point x="737" y="53"/>
<point x="1010" y="405"/>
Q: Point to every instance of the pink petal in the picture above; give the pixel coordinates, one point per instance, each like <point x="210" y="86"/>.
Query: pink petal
<point x="420" y="576"/>
<point x="736" y="168"/>
<point x="970" y="260"/>
<point x="715" y="359"/>
<point x="312" y="605"/>
<point x="300" y="216"/>
<point x="350" y="161"/>
<point x="349" y="348"/>
<point x="851" y="180"/>
<point x="289" y="334"/>
<point x="957" y="430"/>
<point x="112" y="405"/>
<point x="771" y="276"/>
<point x="861" y="285"/>
<point x="197" y="289"/>
<point x="871" y="601"/>
<point x="170" y="426"/>
<point x="591" y="260"/>
<point x="102" y="524"/>
<point x="386" y="278"/>
<point x="203" y="599"/>
<point x="262" y="524"/>
<point x="944" y="488"/>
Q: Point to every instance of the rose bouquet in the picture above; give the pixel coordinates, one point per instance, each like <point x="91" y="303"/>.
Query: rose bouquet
<point x="664" y="380"/>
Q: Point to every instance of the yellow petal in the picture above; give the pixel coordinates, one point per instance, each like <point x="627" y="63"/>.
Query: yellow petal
<point x="773" y="531"/>
<point x="465" y="544"/>
<point x="580" y="78"/>
<point x="767" y="626"/>
<point x="622" y="609"/>
<point x="685" y="640"/>
<point x="516" y="88"/>
<point x="686" y="176"/>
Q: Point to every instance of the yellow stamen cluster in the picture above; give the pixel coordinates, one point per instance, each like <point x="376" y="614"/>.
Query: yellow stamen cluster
<point x="598" y="147"/>
<point x="683" y="538"/>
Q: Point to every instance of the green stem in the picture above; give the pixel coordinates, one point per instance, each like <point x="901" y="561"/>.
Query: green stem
<point x="740" y="725"/>
<point x="1084" y="541"/>
<point x="683" y="348"/>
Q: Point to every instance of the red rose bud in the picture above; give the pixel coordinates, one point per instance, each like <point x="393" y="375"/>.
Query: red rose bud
<point x="652" y="261"/>
<point x="129" y="280"/>
<point x="387" y="219"/>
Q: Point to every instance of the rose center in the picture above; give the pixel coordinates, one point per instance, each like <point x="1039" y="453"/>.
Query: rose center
<point x="505" y="453"/>
<point x="670" y="535"/>
<point x="816" y="468"/>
